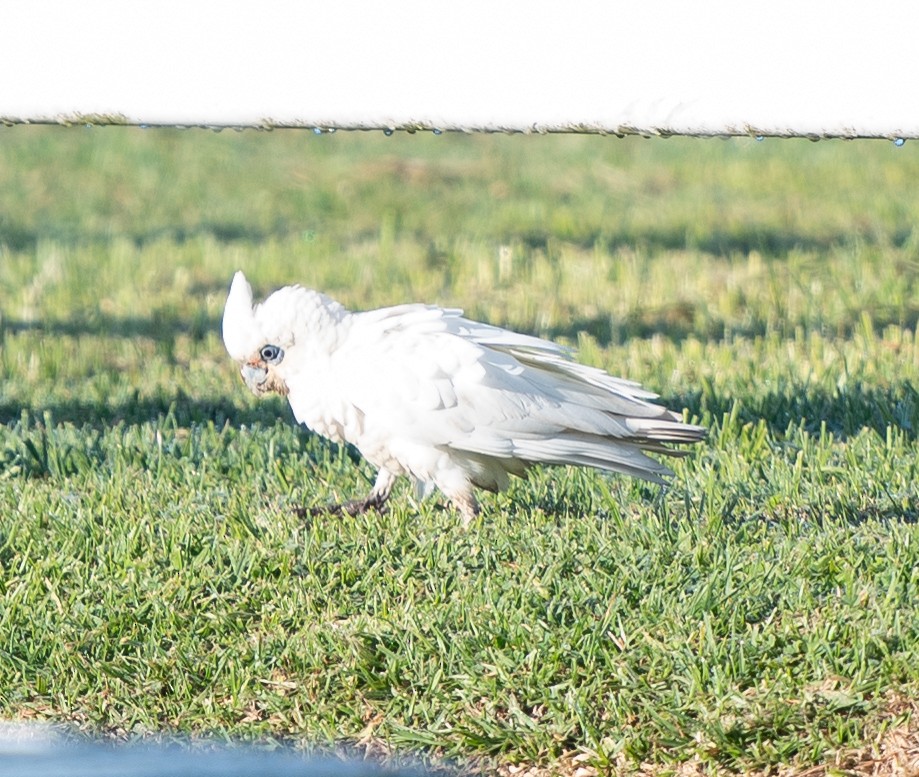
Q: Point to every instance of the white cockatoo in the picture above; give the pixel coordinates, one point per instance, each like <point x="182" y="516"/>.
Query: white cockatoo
<point x="452" y="403"/>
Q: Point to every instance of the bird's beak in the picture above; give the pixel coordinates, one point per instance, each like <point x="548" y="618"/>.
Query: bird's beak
<point x="254" y="378"/>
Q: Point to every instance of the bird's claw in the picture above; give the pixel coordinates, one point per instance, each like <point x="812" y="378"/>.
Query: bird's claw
<point x="352" y="507"/>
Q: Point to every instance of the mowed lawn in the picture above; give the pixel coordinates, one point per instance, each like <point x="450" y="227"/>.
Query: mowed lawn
<point x="760" y="614"/>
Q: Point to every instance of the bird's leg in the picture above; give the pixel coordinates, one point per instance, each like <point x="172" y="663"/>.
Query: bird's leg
<point x="456" y="486"/>
<point x="375" y="500"/>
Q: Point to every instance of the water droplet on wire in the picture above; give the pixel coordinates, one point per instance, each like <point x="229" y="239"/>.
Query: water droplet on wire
<point x="317" y="130"/>
<point x="760" y="138"/>
<point x="899" y="142"/>
<point x="387" y="132"/>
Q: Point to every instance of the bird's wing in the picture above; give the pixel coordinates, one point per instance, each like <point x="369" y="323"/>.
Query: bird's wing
<point x="428" y="376"/>
<point x="402" y="367"/>
<point x="380" y="380"/>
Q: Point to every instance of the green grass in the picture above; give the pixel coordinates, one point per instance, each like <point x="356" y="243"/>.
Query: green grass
<point x="762" y="612"/>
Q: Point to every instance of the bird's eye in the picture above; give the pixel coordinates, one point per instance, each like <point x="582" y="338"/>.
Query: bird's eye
<point x="271" y="354"/>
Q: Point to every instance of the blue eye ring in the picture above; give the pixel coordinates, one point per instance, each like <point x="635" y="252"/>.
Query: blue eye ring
<point x="271" y="354"/>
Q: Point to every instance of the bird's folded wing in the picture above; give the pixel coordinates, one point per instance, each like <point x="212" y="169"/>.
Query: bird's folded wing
<point x="429" y="372"/>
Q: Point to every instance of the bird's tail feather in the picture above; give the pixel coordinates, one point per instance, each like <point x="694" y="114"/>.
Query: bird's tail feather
<point x="590" y="451"/>
<point x="625" y="454"/>
<point x="662" y="430"/>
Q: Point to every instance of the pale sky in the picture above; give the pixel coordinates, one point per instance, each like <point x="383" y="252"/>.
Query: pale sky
<point x="811" y="66"/>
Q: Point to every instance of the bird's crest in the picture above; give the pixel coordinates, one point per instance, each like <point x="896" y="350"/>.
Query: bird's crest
<point x="241" y="331"/>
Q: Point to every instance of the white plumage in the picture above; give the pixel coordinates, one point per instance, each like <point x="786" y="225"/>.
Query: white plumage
<point x="421" y="391"/>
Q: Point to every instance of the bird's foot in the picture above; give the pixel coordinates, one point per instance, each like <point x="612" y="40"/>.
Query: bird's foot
<point x="351" y="507"/>
<point x="468" y="507"/>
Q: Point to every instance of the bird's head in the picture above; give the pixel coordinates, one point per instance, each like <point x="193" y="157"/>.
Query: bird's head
<point x="258" y="337"/>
